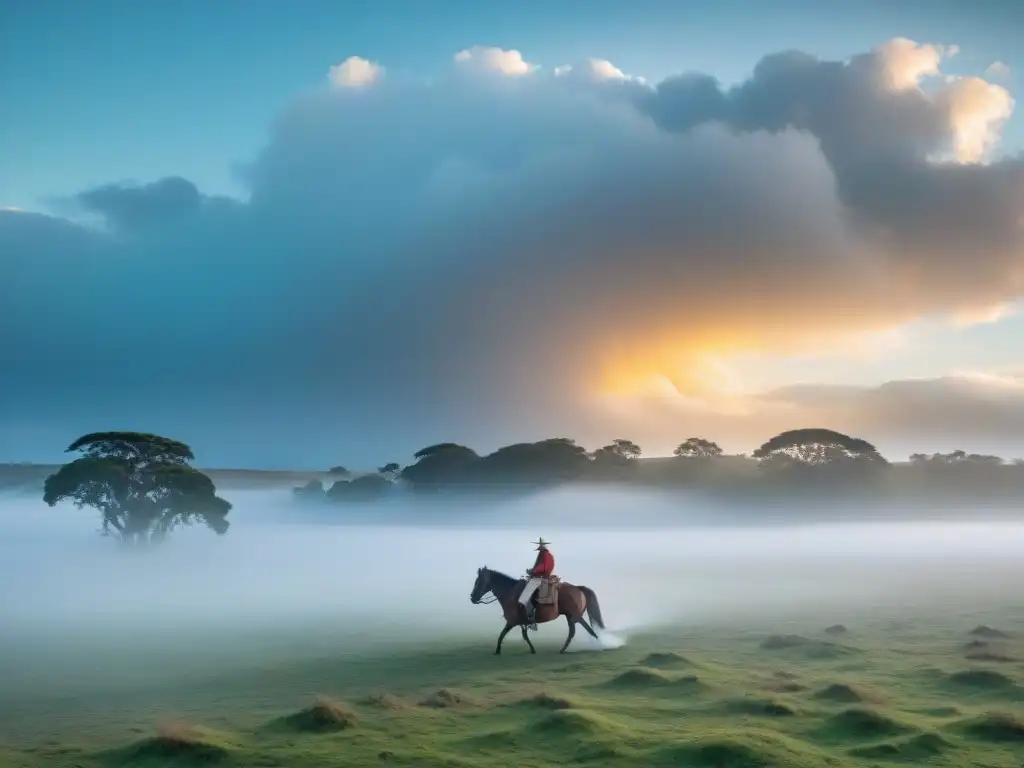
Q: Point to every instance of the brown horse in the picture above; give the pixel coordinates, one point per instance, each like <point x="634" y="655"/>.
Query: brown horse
<point x="573" y="602"/>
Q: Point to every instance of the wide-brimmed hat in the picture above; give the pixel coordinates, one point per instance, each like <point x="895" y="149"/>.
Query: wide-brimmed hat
<point x="540" y="542"/>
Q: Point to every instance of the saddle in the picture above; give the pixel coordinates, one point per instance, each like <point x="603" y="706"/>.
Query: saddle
<point x="547" y="593"/>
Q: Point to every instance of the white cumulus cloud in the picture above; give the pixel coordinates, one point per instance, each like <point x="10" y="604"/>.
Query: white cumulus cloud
<point x="355" y="72"/>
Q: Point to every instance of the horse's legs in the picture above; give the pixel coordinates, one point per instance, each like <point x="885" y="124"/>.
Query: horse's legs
<point x="505" y="631"/>
<point x="526" y="637"/>
<point x="572" y="632"/>
<point x="587" y="627"/>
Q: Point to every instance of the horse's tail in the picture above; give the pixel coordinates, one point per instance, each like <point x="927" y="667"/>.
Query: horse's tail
<point x="593" y="607"/>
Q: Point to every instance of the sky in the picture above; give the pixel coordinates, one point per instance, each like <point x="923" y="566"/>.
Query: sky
<point x="319" y="234"/>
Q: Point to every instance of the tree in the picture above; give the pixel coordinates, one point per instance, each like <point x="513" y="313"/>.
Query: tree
<point x="554" y="460"/>
<point x="390" y="470"/>
<point x="697" y="448"/>
<point x="957" y="459"/>
<point x="800" y="450"/>
<point x="438" y="448"/>
<point x="617" y="453"/>
<point x="362" y="488"/>
<point x="440" y="465"/>
<point x="313" y="490"/>
<point x="142" y="485"/>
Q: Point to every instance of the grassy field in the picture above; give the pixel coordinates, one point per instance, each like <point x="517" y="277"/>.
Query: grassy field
<point x="913" y="691"/>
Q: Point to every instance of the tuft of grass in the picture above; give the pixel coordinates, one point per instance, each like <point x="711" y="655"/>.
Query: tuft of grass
<point x="744" y="748"/>
<point x="983" y="650"/>
<point x="665" y="660"/>
<point x="759" y="707"/>
<point x="917" y="748"/>
<point x="862" y="724"/>
<point x="784" y="682"/>
<point x="845" y="693"/>
<point x="177" y="742"/>
<point x="982" y="680"/>
<point x="807" y="647"/>
<point x="642" y="678"/>
<point x="983" y="630"/>
<point x="322" y="715"/>
<point x="996" y="727"/>
<point x="574" y="722"/>
<point x="723" y="754"/>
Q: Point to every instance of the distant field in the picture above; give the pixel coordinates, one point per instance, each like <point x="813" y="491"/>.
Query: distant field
<point x="905" y="691"/>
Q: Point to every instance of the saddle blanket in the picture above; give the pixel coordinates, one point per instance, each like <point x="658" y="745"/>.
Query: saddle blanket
<point x="547" y="593"/>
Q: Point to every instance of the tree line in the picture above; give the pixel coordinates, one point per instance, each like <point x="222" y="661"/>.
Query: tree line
<point x="793" y="462"/>
<point x="144" y="485"/>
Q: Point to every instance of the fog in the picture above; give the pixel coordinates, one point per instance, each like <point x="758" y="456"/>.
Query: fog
<point x="289" y="582"/>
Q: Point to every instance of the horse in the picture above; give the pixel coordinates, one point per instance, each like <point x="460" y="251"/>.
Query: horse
<point x="573" y="602"/>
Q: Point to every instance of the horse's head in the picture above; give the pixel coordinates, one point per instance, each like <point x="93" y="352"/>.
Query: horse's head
<point x="481" y="586"/>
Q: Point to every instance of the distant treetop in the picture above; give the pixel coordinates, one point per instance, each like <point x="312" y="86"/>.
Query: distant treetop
<point x="430" y="450"/>
<point x="796" y="438"/>
<point x="132" y="446"/>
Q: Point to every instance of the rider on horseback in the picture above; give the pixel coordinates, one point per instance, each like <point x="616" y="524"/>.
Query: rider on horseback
<point x="542" y="568"/>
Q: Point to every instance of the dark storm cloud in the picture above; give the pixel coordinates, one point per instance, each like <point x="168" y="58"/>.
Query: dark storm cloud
<point x="165" y="202"/>
<point x="471" y="258"/>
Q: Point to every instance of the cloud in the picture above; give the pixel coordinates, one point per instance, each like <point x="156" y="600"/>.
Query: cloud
<point x="998" y="70"/>
<point x="490" y="59"/>
<point x="169" y="203"/>
<point x="354" y="72"/>
<point x="492" y="258"/>
<point x="596" y="70"/>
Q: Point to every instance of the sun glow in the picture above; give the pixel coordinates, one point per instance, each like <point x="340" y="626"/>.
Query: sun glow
<point x="659" y="373"/>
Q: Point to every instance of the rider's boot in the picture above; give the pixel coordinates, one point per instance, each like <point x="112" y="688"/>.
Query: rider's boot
<point x="531" y="617"/>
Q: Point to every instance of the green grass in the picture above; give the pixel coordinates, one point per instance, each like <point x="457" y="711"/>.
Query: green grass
<point x="891" y="693"/>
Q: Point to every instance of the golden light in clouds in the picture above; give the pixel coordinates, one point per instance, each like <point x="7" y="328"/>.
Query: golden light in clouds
<point x="709" y="368"/>
<point x="981" y="315"/>
<point x="669" y="371"/>
<point x="669" y="366"/>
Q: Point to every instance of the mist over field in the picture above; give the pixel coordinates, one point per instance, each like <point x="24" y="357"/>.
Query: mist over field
<point x="79" y="613"/>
